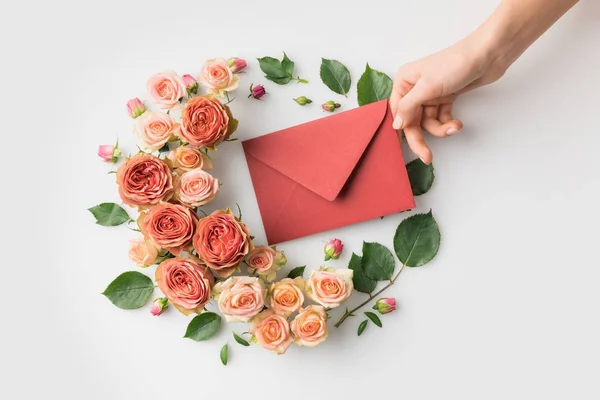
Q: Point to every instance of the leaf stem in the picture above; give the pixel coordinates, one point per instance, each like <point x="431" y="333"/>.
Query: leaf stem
<point x="300" y="80"/>
<point x="371" y="297"/>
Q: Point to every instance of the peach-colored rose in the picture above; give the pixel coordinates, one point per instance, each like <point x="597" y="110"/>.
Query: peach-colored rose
<point x="144" y="180"/>
<point x="285" y="296"/>
<point x="271" y="331"/>
<point x="330" y="287"/>
<point x="187" y="158"/>
<point x="143" y="252"/>
<point x="170" y="226"/>
<point x="218" y="77"/>
<point x="310" y="326"/>
<point x="206" y="122"/>
<point x="154" y="129"/>
<point x="222" y="241"/>
<point x="196" y="188"/>
<point x="185" y="283"/>
<point x="240" y="298"/>
<point x="166" y="88"/>
<point x="266" y="261"/>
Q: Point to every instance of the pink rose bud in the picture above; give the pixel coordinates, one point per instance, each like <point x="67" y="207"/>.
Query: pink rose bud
<point x="385" y="305"/>
<point x="236" y="64"/>
<point x="135" y="108"/>
<point x="109" y="153"/>
<point x="257" y="91"/>
<point x="330" y="106"/>
<point x="190" y="83"/>
<point x="333" y="249"/>
<point x="159" y="306"/>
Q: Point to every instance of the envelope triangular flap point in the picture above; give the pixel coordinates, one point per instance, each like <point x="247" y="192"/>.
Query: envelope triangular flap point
<point x="322" y="154"/>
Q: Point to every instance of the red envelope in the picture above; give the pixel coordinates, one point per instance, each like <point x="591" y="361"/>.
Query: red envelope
<point x="336" y="171"/>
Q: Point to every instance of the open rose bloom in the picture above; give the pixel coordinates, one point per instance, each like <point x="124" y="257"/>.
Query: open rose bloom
<point x="310" y="326"/>
<point x="144" y="180"/>
<point x="185" y="283"/>
<point x="330" y="287"/>
<point x="196" y="188"/>
<point x="240" y="298"/>
<point x="285" y="296"/>
<point x="271" y="331"/>
<point x="166" y="89"/>
<point x="186" y="158"/>
<point x="155" y="129"/>
<point x="206" y="122"/>
<point x="265" y="261"/>
<point x="218" y="77"/>
<point x="170" y="226"/>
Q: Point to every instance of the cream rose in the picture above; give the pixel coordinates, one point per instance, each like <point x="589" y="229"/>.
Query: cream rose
<point x="144" y="180"/>
<point x="154" y="129"/>
<point x="166" y="88"/>
<point x="217" y="76"/>
<point x="143" y="252"/>
<point x="310" y="326"/>
<point x="285" y="296"/>
<point x="271" y="331"/>
<point x="265" y="261"/>
<point x="240" y="298"/>
<point x="330" y="287"/>
<point x="187" y="158"/>
<point x="196" y="188"/>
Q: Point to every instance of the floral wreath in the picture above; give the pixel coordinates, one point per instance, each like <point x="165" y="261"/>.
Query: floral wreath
<point x="199" y="257"/>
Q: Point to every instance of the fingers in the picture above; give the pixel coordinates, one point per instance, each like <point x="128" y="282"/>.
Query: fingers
<point x="432" y="125"/>
<point x="445" y="113"/>
<point x="409" y="107"/>
<point x="441" y="100"/>
<point x="416" y="142"/>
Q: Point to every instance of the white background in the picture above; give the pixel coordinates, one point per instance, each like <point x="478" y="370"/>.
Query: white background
<point x="508" y="309"/>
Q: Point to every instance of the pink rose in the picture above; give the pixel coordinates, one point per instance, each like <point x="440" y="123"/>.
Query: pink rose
<point x="185" y="283"/>
<point x="196" y="188"/>
<point x="222" y="241"/>
<point x="286" y="296"/>
<point x="143" y="252"/>
<point x="206" y="122"/>
<point x="310" y="326"/>
<point x="333" y="249"/>
<point x="109" y="153"/>
<point x="166" y="88"/>
<point x="236" y="64"/>
<point x="155" y="129"/>
<point x="218" y="77"/>
<point x="144" y="180"/>
<point x="330" y="287"/>
<point x="240" y="298"/>
<point x="170" y="226"/>
<point x="135" y="108"/>
<point x="256" y="92"/>
<point x="159" y="306"/>
<point x="188" y="158"/>
<point x="191" y="85"/>
<point x="266" y="261"/>
<point x="271" y="331"/>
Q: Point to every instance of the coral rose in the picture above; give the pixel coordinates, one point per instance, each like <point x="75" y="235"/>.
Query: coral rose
<point x="310" y="326"/>
<point x="240" y="298"/>
<point x="143" y="252"/>
<point x="166" y="88"/>
<point x="170" y="226"/>
<point x="196" y="188"/>
<point x="285" y="296"/>
<point x="154" y="129"/>
<point x="144" y="180"/>
<point x="222" y="241"/>
<point x="330" y="287"/>
<point x="218" y="77"/>
<point x="187" y="158"/>
<point x="266" y="261"/>
<point x="206" y="122"/>
<point x="271" y="331"/>
<point x="185" y="283"/>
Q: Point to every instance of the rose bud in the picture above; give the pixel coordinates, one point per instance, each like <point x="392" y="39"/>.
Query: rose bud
<point x="333" y="249"/>
<point x="109" y="153"/>
<point x="159" y="306"/>
<point x="236" y="64"/>
<point x="257" y="91"/>
<point x="330" y="106"/>
<point x="135" y="108"/>
<point x="302" y="100"/>
<point x="191" y="85"/>
<point x="385" y="305"/>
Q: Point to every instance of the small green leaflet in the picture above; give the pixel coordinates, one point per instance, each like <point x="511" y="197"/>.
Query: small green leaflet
<point x="417" y="240"/>
<point x="335" y="76"/>
<point x="280" y="72"/>
<point x="109" y="214"/>
<point x="203" y="326"/>
<point x="421" y="176"/>
<point x="240" y="340"/>
<point x="377" y="261"/>
<point x="224" y="354"/>
<point x="296" y="272"/>
<point x="130" y="290"/>
<point x="362" y="327"/>
<point x="373" y="86"/>
<point x="362" y="283"/>
<point x="374" y="318"/>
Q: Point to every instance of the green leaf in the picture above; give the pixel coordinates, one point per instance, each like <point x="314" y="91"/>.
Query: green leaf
<point x="417" y="240"/>
<point x="288" y="65"/>
<point x="240" y="339"/>
<point x="377" y="261"/>
<point x="362" y="327"/>
<point x="272" y="67"/>
<point x="109" y="214"/>
<point x="223" y="354"/>
<point x="373" y="86"/>
<point x="130" y="290"/>
<point x="279" y="81"/>
<point x="420" y="175"/>
<point x="374" y="318"/>
<point x="335" y="76"/>
<point x="362" y="283"/>
<point x="203" y="326"/>
<point x="165" y="148"/>
<point x="296" y="272"/>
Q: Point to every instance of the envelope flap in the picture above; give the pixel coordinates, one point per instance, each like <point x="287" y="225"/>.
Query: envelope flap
<point x="320" y="155"/>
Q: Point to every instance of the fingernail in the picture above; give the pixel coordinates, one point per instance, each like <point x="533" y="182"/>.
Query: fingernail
<point x="397" y="122"/>
<point x="451" y="131"/>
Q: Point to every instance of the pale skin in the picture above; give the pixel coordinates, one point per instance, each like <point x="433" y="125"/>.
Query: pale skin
<point x="425" y="90"/>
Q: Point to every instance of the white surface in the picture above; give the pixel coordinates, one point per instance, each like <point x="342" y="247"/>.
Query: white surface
<point x="508" y="309"/>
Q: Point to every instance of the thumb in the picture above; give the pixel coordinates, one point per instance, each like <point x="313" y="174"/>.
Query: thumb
<point x="409" y="106"/>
